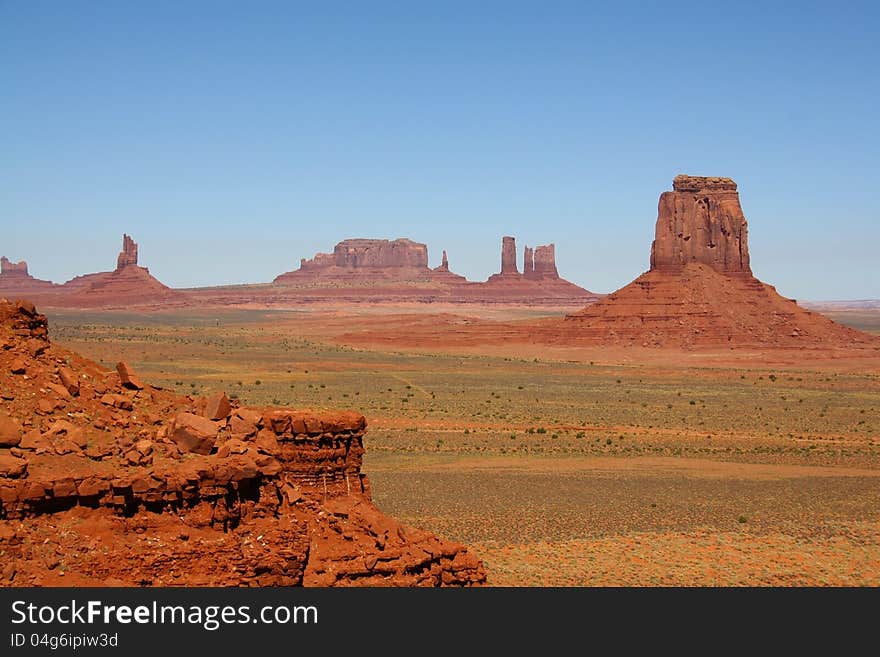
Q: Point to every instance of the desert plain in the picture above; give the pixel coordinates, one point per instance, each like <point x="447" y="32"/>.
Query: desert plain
<point x="559" y="465"/>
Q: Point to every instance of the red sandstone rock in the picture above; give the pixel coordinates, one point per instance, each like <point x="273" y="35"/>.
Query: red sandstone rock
<point x="295" y="489"/>
<point x="508" y="256"/>
<point x="9" y="268"/>
<point x="194" y="433"/>
<point x="127" y="377"/>
<point x="700" y="290"/>
<point x="10" y="431"/>
<point x="129" y="254"/>
<point x="217" y="406"/>
<point x="701" y="221"/>
<point x="12" y="467"/>
<point x="444" y="263"/>
<point x="545" y="262"/>
<point x="370" y="253"/>
<point x="69" y="380"/>
<point x="540" y="264"/>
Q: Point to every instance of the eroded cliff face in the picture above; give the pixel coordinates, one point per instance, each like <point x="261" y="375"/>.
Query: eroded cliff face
<point x="15" y="279"/>
<point x="129" y="254"/>
<point x="13" y="269"/>
<point x="371" y="254"/>
<point x="540" y="263"/>
<point x="701" y="221"/>
<point x="107" y="480"/>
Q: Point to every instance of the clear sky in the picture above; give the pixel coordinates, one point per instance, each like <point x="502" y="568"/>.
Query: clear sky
<point x="232" y="139"/>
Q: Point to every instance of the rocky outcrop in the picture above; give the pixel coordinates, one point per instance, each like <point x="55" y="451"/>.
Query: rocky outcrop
<point x="129" y="254"/>
<point x="538" y="284"/>
<point x="508" y="256"/>
<point x="128" y="284"/>
<point x="125" y="486"/>
<point x="444" y="263"/>
<point x="15" y="279"/>
<point x="540" y="264"/>
<point x="371" y="254"/>
<point x="382" y="269"/>
<point x="528" y="262"/>
<point x="701" y="221"/>
<point x="700" y="290"/>
<point x="13" y="269"/>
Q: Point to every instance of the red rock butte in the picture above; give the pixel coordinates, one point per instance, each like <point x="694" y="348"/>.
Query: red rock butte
<point x="92" y="461"/>
<point x="128" y="284"/>
<point x="389" y="270"/>
<point x="354" y="259"/>
<point x="700" y="290"/>
<point x="14" y="277"/>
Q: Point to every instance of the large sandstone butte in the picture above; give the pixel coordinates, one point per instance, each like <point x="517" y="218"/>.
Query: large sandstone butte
<point x="701" y="221"/>
<point x="128" y="284"/>
<point x="13" y="269"/>
<point x="14" y="278"/>
<point x="700" y="290"/>
<point x="105" y="480"/>
<point x="364" y="257"/>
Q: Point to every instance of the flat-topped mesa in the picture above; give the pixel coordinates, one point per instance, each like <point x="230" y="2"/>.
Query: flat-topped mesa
<point x="128" y="255"/>
<point x="701" y="221"/>
<point x="13" y="269"/>
<point x="508" y="256"/>
<point x="370" y="253"/>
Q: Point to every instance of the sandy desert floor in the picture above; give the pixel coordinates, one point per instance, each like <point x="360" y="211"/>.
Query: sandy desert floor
<point x="562" y="466"/>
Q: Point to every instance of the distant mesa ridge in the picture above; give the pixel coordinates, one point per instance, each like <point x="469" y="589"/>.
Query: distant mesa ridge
<point x="13" y="269"/>
<point x="358" y="266"/>
<point x="128" y="284"/>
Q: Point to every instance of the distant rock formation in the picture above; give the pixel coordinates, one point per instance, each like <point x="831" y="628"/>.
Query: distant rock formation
<point x="508" y="256"/>
<point x="368" y="253"/>
<point x="700" y="290"/>
<point x="444" y="263"/>
<point x="540" y="264"/>
<point x="528" y="262"/>
<point x="127" y="284"/>
<point x="13" y="269"/>
<point x="14" y="278"/>
<point x="538" y="284"/>
<point x="701" y="221"/>
<point x="128" y="255"/>
<point x="364" y="263"/>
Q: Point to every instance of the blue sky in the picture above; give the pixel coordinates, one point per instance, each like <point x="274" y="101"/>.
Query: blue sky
<point x="232" y="139"/>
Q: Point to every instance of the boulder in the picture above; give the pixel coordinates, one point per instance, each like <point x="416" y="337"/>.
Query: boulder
<point x="194" y="433"/>
<point x="217" y="406"/>
<point x="10" y="431"/>
<point x="127" y="377"/>
<point x="12" y="466"/>
<point x="69" y="380"/>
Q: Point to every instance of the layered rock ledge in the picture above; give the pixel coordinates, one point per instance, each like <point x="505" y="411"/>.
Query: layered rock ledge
<point x="108" y="480"/>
